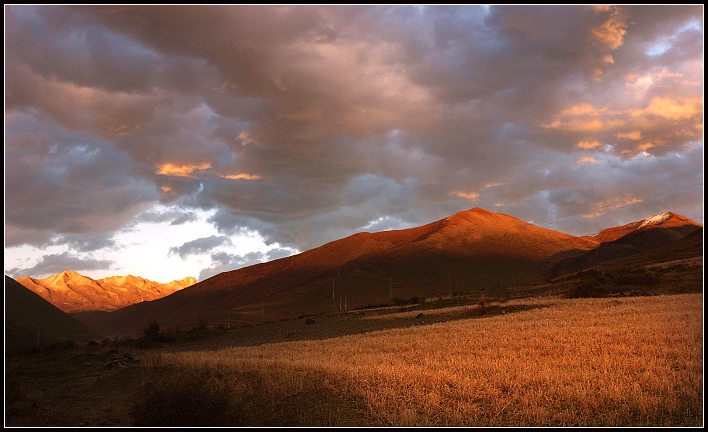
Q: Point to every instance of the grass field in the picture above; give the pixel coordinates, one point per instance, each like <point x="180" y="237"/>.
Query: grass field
<point x="545" y="361"/>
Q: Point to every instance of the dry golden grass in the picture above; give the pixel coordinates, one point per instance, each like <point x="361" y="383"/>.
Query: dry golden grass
<point x="586" y="362"/>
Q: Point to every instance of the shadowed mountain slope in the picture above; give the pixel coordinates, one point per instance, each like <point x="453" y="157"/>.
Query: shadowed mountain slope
<point x="469" y="251"/>
<point x="619" y="242"/>
<point x="31" y="321"/>
<point x="687" y="251"/>
<point x="671" y="222"/>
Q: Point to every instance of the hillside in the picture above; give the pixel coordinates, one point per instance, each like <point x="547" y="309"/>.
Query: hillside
<point x="474" y="252"/>
<point x="72" y="292"/>
<point x="32" y="322"/>
<point x="656" y="232"/>
<point x="470" y="252"/>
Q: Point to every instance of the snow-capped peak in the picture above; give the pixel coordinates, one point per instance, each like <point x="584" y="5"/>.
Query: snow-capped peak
<point x="656" y="220"/>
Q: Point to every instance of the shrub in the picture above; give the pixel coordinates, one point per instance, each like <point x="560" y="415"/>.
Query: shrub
<point x="203" y="323"/>
<point x="152" y="332"/>
<point x="416" y="300"/>
<point x="180" y="397"/>
<point x="639" y="279"/>
<point x="587" y="290"/>
<point x="60" y="346"/>
<point x="152" y="336"/>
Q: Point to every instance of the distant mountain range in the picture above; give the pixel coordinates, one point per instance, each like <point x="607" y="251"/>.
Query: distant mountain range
<point x="72" y="292"/>
<point x="471" y="252"/>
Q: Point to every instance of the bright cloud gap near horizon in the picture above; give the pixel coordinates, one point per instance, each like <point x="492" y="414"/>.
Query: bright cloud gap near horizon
<point x="244" y="134"/>
<point x="150" y="260"/>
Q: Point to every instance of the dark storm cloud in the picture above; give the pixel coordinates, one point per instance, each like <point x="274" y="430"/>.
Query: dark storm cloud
<point x="57" y="263"/>
<point x="200" y="246"/>
<point x="84" y="244"/>
<point x="305" y="123"/>
<point x="67" y="183"/>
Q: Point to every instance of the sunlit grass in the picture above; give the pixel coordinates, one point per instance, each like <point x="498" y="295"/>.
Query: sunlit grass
<point x="587" y="362"/>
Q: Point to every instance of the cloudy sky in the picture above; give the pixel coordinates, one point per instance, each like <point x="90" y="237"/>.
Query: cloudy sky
<point x="174" y="141"/>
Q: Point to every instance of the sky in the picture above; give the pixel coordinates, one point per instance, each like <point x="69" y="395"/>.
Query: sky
<point x="174" y="141"/>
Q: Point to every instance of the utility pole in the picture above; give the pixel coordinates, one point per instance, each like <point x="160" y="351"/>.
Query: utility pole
<point x="449" y="276"/>
<point x="597" y="258"/>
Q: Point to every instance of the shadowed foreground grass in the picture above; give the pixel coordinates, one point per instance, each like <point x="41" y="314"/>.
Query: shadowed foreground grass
<point x="630" y="361"/>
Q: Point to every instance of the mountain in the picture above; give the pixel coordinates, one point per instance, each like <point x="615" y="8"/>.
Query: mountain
<point x="472" y="252"/>
<point x="686" y="251"/>
<point x="678" y="226"/>
<point x="469" y="251"/>
<point x="627" y="240"/>
<point x="72" y="292"/>
<point x="31" y="321"/>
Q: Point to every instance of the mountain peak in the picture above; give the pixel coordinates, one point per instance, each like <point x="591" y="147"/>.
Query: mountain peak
<point x="73" y="292"/>
<point x="656" y="220"/>
<point x="667" y="220"/>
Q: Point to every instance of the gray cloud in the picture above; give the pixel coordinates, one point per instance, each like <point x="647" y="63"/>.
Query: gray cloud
<point x="307" y="123"/>
<point x="223" y="262"/>
<point x="57" y="263"/>
<point x="200" y="246"/>
<point x="173" y="216"/>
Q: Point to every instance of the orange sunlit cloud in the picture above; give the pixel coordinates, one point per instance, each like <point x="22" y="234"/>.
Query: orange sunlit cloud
<point x="488" y="185"/>
<point x="578" y="125"/>
<point x="611" y="32"/>
<point x="470" y="196"/>
<point x="601" y="207"/>
<point x="583" y="109"/>
<point x="245" y="138"/>
<point x="584" y="117"/>
<point x="166" y="189"/>
<point x="634" y="135"/>
<point x="588" y="144"/>
<point x="241" y="176"/>
<point x="181" y="170"/>
<point x="646" y="146"/>
<point x="673" y="108"/>
<point x="585" y="159"/>
<point x="637" y="80"/>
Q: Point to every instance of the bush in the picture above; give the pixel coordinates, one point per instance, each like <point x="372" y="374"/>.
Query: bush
<point x="152" y="336"/>
<point x="180" y="397"/>
<point x="152" y="332"/>
<point x="416" y="300"/>
<point x="203" y="323"/>
<point x="639" y="279"/>
<point x="587" y="290"/>
<point x="60" y="346"/>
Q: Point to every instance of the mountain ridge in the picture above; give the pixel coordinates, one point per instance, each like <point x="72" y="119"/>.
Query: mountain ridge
<point x="471" y="251"/>
<point x="664" y="220"/>
<point x="74" y="292"/>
